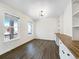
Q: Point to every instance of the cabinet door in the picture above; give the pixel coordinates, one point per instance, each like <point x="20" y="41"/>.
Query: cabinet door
<point x="70" y="56"/>
<point x="62" y="53"/>
<point x="63" y="56"/>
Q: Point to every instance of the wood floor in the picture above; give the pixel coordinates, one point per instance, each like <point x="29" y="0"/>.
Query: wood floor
<point x="36" y="49"/>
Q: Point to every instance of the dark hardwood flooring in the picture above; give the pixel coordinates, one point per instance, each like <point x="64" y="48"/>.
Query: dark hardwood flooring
<point x="35" y="49"/>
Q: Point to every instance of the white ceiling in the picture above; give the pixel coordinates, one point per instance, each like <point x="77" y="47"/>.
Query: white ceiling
<point x="33" y="8"/>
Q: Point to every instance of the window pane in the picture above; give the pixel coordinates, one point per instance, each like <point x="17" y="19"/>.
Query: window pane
<point x="29" y="28"/>
<point x="11" y="27"/>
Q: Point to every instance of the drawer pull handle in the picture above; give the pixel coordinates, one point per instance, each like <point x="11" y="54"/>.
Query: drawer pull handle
<point x="68" y="54"/>
<point x="63" y="52"/>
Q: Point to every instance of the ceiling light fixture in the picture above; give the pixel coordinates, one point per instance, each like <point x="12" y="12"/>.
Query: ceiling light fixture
<point x="42" y="13"/>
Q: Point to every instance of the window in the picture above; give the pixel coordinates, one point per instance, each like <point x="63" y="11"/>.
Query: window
<point x="11" y="27"/>
<point x="29" y="27"/>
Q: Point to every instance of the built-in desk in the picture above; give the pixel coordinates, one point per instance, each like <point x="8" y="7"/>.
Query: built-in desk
<point x="72" y="46"/>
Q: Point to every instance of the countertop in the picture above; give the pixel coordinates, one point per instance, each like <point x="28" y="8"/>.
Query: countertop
<point x="72" y="45"/>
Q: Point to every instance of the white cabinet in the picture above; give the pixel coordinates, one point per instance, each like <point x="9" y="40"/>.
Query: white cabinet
<point x="64" y="52"/>
<point x="75" y="19"/>
<point x="57" y="41"/>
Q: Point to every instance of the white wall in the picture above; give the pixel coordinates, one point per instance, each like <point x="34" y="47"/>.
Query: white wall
<point x="67" y="20"/>
<point x="24" y="37"/>
<point x="61" y="24"/>
<point x="45" y="28"/>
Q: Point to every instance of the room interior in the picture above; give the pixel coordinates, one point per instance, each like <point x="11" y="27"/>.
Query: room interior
<point x="39" y="29"/>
